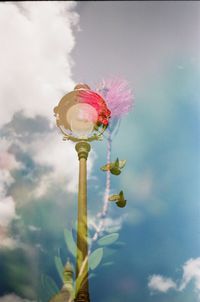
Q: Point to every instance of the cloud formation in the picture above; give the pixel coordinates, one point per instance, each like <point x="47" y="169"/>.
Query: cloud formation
<point x="35" y="73"/>
<point x="161" y="284"/>
<point x="8" y="163"/>
<point x="35" y="56"/>
<point x="13" y="298"/>
<point x="191" y="272"/>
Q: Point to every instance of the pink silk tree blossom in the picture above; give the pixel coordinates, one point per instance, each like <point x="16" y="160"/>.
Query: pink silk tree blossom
<point x="117" y="95"/>
<point x="96" y="101"/>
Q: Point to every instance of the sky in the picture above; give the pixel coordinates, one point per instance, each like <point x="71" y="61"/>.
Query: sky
<point x="48" y="47"/>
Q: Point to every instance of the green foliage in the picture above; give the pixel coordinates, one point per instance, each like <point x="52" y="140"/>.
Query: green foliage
<point x="71" y="245"/>
<point x="121" y="203"/>
<point x="114" y="197"/>
<point x="119" y="199"/>
<point x="122" y="163"/>
<point x="114" y="167"/>
<point x="95" y="258"/>
<point x="49" y="288"/>
<point x="59" y="267"/>
<point x="108" y="239"/>
<point x="75" y="225"/>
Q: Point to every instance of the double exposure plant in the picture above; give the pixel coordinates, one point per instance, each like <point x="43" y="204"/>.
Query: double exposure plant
<point x="119" y="100"/>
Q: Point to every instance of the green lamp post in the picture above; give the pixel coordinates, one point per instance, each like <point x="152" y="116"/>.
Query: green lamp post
<point x="82" y="116"/>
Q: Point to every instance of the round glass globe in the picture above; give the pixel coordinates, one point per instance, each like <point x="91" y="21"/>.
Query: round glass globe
<point x="82" y="117"/>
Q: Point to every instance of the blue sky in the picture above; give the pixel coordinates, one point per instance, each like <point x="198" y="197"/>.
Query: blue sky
<point x="48" y="47"/>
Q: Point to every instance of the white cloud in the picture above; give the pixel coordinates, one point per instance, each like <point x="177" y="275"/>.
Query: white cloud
<point x="112" y="224"/>
<point x="35" y="56"/>
<point x="8" y="242"/>
<point x="59" y="155"/>
<point x="49" y="150"/>
<point x="108" y="224"/>
<point x="5" y="180"/>
<point x="13" y="298"/>
<point x="7" y="210"/>
<point x="35" y="73"/>
<point x="191" y="272"/>
<point x="7" y="203"/>
<point x="33" y="228"/>
<point x="7" y="160"/>
<point x="7" y="164"/>
<point x="161" y="284"/>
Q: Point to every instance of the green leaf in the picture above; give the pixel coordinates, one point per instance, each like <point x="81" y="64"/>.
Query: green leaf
<point x="107" y="167"/>
<point x="112" y="229"/>
<point x="122" y="164"/>
<point x="117" y="163"/>
<point x="71" y="245"/>
<point x="75" y="226"/>
<point x="49" y="286"/>
<point x="121" y="203"/>
<point x="121" y="194"/>
<point x="108" y="239"/>
<point x="115" y="171"/>
<point x="114" y="197"/>
<point x="95" y="258"/>
<point x="59" y="267"/>
<point x="114" y="167"/>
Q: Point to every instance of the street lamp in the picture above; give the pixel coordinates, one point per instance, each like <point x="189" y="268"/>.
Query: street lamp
<point x="82" y="116"/>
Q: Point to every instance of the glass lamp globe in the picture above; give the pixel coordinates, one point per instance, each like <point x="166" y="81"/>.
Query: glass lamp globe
<point x="82" y="119"/>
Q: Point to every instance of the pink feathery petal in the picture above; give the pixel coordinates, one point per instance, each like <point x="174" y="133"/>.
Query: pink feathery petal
<point x="118" y="96"/>
<point x="94" y="99"/>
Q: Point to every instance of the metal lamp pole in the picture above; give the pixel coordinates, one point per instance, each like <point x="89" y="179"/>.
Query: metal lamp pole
<point x="81" y="122"/>
<point x="82" y="285"/>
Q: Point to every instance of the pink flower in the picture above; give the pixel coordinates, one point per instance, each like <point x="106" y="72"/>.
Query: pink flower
<point x="118" y="96"/>
<point x="94" y="99"/>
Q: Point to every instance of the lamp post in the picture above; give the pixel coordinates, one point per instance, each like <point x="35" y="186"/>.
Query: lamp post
<point x="82" y="149"/>
<point x="82" y="116"/>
